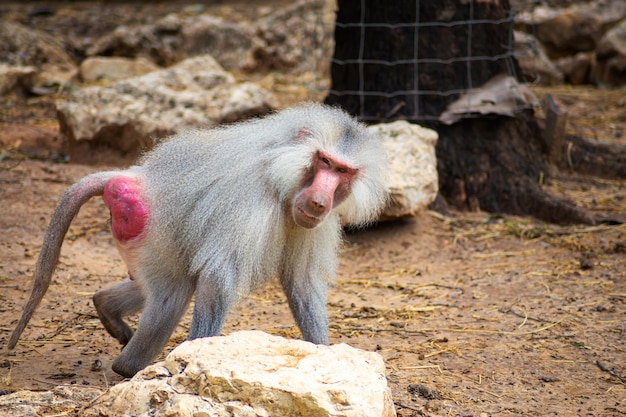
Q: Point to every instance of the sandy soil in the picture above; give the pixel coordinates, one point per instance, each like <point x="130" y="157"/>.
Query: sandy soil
<point x="475" y="314"/>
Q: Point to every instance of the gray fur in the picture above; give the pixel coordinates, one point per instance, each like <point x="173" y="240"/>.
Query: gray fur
<point x="221" y="224"/>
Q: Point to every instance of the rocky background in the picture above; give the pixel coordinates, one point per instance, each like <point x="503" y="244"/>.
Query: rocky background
<point x="473" y="313"/>
<point x="84" y="56"/>
<point x="574" y="43"/>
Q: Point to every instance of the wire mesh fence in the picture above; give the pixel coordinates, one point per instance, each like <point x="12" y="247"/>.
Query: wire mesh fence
<point x="436" y="55"/>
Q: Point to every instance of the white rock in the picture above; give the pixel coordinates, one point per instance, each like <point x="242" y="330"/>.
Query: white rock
<point x="15" y="78"/>
<point x="413" y="181"/>
<point x="58" y="401"/>
<point x="252" y="373"/>
<point x="102" y="68"/>
<point x="129" y="114"/>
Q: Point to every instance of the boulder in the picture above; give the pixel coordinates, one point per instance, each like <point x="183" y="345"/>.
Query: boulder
<point x="26" y="49"/>
<point x="575" y="68"/>
<point x="17" y="79"/>
<point x="179" y="36"/>
<point x="576" y="28"/>
<point x="609" y="66"/>
<point x="128" y="115"/>
<point x="230" y="43"/>
<point x="60" y="401"/>
<point x="251" y="373"/>
<point x="412" y="181"/>
<point x="535" y="65"/>
<point x="290" y="38"/>
<point x="159" y="42"/>
<point x="100" y="68"/>
<point x="569" y="31"/>
<point x="22" y="46"/>
<point x="297" y="37"/>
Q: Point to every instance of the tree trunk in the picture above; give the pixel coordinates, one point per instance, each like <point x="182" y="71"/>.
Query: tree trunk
<point x="490" y="163"/>
<point x="446" y="61"/>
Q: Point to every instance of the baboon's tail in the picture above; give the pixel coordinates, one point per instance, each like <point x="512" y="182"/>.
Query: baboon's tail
<point x="66" y="210"/>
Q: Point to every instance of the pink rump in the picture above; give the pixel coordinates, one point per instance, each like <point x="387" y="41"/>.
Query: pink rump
<point x="129" y="212"/>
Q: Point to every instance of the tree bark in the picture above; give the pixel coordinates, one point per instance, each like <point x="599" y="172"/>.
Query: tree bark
<point x="447" y="61"/>
<point x="489" y="163"/>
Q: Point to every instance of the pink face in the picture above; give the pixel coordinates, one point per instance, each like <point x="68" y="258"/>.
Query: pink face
<point x="325" y="186"/>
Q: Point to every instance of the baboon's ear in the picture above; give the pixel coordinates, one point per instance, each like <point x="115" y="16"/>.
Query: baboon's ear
<point x="304" y="134"/>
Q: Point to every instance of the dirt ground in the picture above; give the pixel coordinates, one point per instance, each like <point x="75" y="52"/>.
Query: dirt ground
<point x="475" y="314"/>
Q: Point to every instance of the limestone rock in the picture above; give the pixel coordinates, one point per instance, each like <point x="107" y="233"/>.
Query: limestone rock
<point x="575" y="68"/>
<point x="179" y="36"/>
<point x="129" y="114"/>
<point x="16" y="78"/>
<point x="113" y="68"/>
<point x="535" y="65"/>
<point x="413" y="181"/>
<point x="297" y="37"/>
<point x="287" y="39"/>
<point x="252" y="373"/>
<point x="609" y="66"/>
<point x="159" y="42"/>
<point x="230" y="43"/>
<point x="60" y="401"/>
<point x="20" y="45"/>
